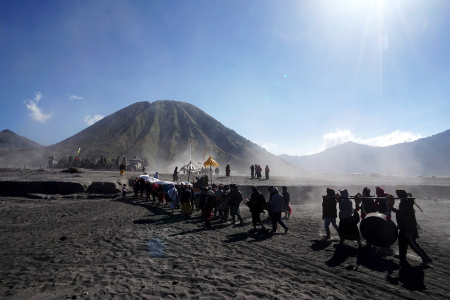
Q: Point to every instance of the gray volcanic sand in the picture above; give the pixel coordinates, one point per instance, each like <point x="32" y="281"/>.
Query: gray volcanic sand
<point x="106" y="247"/>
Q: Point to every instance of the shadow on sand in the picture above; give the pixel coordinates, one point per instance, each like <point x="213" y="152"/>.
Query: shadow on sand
<point x="252" y="236"/>
<point x="411" y="278"/>
<point x="158" y="210"/>
<point x="319" y="245"/>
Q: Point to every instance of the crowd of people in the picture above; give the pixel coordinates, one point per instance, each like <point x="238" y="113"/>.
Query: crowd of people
<point x="224" y="202"/>
<point x="365" y="204"/>
<point x="221" y="201"/>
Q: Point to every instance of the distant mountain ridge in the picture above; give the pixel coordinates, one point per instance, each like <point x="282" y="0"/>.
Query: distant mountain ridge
<point x="10" y="140"/>
<point x="162" y="132"/>
<point x="426" y="156"/>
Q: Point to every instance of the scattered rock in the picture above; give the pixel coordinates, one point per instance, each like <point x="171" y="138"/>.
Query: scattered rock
<point x="63" y="238"/>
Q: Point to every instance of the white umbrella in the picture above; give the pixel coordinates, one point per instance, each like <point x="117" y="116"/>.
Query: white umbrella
<point x="189" y="167"/>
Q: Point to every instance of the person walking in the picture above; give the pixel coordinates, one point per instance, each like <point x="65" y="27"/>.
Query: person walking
<point x="407" y="225"/>
<point x="348" y="219"/>
<point x="185" y="200"/>
<point x="234" y="202"/>
<point x="267" y="171"/>
<point x="227" y="171"/>
<point x="154" y="191"/>
<point x="175" y="174"/>
<point x="219" y="196"/>
<point x="329" y="211"/>
<point x="136" y="187"/>
<point x="160" y="194"/>
<point x="276" y="205"/>
<point x="252" y="171"/>
<point x="287" y="200"/>
<point x="223" y="204"/>
<point x="142" y="186"/>
<point x="122" y="169"/>
<point x="256" y="204"/>
<point x="173" y="196"/>
<point x="206" y="205"/>
<point x="367" y="203"/>
<point x="148" y="190"/>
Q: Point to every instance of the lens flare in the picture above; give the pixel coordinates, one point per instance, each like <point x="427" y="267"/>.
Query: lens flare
<point x="156" y="247"/>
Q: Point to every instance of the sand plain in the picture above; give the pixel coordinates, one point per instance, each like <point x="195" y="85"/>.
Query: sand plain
<point x="98" y="245"/>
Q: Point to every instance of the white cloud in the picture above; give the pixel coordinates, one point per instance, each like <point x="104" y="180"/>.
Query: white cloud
<point x="91" y="120"/>
<point x="37" y="96"/>
<point x="74" y="97"/>
<point x="341" y="136"/>
<point x="36" y="113"/>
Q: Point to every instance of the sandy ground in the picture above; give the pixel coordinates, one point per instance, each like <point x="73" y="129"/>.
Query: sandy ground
<point x="75" y="246"/>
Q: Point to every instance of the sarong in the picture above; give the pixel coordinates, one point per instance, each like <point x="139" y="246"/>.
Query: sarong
<point x="186" y="209"/>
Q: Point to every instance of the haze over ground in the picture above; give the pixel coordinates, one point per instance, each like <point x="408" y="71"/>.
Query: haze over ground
<point x="293" y="76"/>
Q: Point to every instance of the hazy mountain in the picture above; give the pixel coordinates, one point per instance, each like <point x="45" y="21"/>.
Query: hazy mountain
<point x="162" y="132"/>
<point x="426" y="156"/>
<point x="11" y="140"/>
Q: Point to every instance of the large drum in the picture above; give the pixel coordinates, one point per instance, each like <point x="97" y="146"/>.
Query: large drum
<point x="378" y="231"/>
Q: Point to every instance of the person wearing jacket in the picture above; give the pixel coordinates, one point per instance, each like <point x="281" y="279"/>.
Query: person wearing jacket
<point x="407" y="225"/>
<point x="287" y="200"/>
<point x="276" y="204"/>
<point x="329" y="212"/>
<point x="207" y="200"/>
<point x="267" y="171"/>
<point x="256" y="204"/>
<point x="348" y="226"/>
<point x="234" y="202"/>
<point x="223" y="204"/>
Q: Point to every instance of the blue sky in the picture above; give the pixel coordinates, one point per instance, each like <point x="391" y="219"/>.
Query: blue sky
<point x="293" y="76"/>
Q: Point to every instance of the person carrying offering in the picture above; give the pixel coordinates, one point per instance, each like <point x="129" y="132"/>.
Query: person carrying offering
<point x="407" y="225"/>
